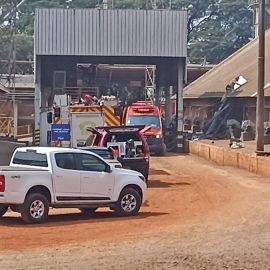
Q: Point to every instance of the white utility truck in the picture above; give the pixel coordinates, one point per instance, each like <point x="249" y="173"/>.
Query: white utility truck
<point x="43" y="177"/>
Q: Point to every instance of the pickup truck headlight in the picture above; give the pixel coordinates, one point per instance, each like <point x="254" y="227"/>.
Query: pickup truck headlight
<point x="158" y="136"/>
<point x="142" y="178"/>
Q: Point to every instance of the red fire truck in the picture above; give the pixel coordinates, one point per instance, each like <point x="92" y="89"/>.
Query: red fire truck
<point x="145" y="113"/>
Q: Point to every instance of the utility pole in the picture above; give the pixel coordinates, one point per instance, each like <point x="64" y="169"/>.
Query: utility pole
<point x="12" y="68"/>
<point x="261" y="79"/>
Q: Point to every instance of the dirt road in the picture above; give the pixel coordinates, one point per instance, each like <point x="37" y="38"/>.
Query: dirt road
<point x="198" y="216"/>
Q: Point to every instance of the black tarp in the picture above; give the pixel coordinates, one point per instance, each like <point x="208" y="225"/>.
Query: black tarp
<point x="216" y="127"/>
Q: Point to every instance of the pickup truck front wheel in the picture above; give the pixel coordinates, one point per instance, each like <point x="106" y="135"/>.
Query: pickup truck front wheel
<point x="35" y="208"/>
<point x="3" y="210"/>
<point x="129" y="203"/>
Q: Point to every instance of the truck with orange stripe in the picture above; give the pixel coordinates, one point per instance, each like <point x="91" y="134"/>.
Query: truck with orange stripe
<point x="75" y="119"/>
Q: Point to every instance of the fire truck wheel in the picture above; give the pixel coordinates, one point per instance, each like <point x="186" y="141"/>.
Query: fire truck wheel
<point x="162" y="151"/>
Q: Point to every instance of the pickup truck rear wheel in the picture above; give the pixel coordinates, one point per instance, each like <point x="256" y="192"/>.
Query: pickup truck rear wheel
<point x="35" y="208"/>
<point x="3" y="210"/>
<point x="129" y="203"/>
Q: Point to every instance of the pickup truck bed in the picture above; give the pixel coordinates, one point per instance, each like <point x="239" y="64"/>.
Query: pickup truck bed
<point x="137" y="164"/>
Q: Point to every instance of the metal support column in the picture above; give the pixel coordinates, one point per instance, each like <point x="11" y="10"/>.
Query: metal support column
<point x="180" y="106"/>
<point x="261" y="80"/>
<point x="15" y="117"/>
<point x="37" y="101"/>
<point x="150" y="82"/>
<point x="168" y="106"/>
<point x="160" y="82"/>
<point x="157" y="96"/>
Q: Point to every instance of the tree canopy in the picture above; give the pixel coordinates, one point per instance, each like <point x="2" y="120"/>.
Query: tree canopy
<point x="216" y="28"/>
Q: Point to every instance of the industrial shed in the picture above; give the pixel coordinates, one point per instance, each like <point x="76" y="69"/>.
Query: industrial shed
<point x="202" y="96"/>
<point x="67" y="38"/>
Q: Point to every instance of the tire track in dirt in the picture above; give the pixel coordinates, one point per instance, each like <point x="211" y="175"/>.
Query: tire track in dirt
<point x="193" y="207"/>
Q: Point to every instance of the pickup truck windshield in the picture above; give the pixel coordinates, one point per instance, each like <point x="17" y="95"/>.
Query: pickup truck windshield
<point x="31" y="159"/>
<point x="146" y="120"/>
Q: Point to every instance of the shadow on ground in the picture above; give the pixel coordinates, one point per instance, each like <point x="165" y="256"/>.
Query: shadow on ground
<point x="170" y="154"/>
<point x="76" y="218"/>
<point x="161" y="184"/>
<point x="158" y="172"/>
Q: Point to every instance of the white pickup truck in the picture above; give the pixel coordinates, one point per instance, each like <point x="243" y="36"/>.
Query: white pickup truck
<point x="43" y="177"/>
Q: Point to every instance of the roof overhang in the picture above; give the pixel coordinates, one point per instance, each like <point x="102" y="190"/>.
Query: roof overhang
<point x="95" y="32"/>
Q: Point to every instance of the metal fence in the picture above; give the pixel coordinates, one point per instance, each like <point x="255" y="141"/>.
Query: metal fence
<point x="6" y="126"/>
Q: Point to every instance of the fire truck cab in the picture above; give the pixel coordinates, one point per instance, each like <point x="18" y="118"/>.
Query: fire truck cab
<point x="145" y="113"/>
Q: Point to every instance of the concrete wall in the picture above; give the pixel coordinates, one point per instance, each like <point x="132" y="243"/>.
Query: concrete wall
<point x="6" y="150"/>
<point x="228" y="157"/>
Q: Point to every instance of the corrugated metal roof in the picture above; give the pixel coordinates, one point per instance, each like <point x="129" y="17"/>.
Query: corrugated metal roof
<point x="111" y="32"/>
<point x="242" y="63"/>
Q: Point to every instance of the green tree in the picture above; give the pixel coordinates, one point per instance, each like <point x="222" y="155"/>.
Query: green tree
<point x="5" y="35"/>
<point x="24" y="47"/>
<point x="26" y="13"/>
<point x="216" y="28"/>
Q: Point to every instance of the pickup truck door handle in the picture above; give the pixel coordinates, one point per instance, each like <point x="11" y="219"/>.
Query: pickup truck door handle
<point x="59" y="175"/>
